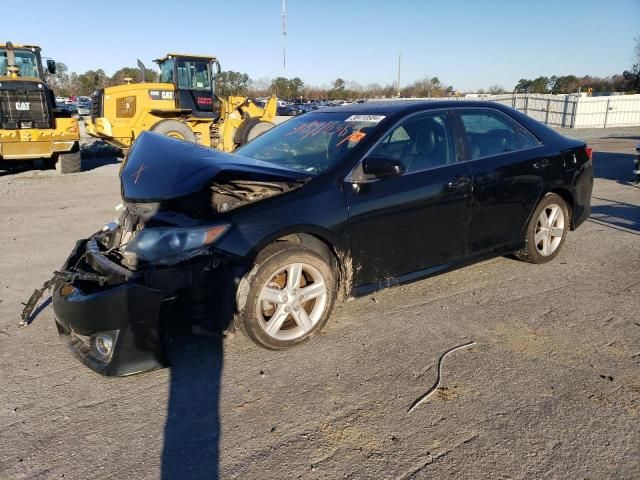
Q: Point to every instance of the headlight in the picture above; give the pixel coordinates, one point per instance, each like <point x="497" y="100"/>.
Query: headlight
<point x="171" y="244"/>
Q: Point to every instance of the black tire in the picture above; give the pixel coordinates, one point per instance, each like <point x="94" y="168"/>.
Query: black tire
<point x="69" y="163"/>
<point x="174" y="129"/>
<point x="531" y="251"/>
<point x="250" y="129"/>
<point x="250" y="317"/>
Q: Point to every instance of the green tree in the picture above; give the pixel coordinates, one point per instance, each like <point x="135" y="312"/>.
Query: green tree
<point x="281" y="87"/>
<point x="523" y="86"/>
<point x="134" y="74"/>
<point x="232" y="83"/>
<point x="296" y="88"/>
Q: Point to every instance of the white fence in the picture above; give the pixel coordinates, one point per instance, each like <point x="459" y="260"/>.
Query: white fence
<point x="575" y="111"/>
<point x="571" y="111"/>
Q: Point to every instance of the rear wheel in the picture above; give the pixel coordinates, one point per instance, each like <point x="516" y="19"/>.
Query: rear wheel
<point x="291" y="291"/>
<point x="547" y="230"/>
<point x="69" y="163"/>
<point x="174" y="129"/>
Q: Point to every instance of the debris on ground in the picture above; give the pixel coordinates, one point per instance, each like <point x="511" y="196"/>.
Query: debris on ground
<point x="436" y="385"/>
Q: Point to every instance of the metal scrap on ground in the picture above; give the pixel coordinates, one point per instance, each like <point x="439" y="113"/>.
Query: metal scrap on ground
<point x="436" y="385"/>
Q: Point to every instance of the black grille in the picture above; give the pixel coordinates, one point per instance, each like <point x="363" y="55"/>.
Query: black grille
<point x="24" y="105"/>
<point x="96" y="104"/>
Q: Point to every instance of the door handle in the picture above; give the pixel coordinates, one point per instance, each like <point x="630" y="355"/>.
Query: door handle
<point x="458" y="182"/>
<point x="544" y="163"/>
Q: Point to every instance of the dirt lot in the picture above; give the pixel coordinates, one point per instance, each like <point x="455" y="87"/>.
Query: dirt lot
<point x="551" y="389"/>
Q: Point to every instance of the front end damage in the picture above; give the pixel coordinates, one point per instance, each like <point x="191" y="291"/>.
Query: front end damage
<point x="117" y="296"/>
<point x="113" y="319"/>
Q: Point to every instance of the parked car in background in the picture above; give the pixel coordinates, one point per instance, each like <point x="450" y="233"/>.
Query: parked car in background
<point x="84" y="108"/>
<point x="68" y="108"/>
<point x="339" y="202"/>
<point x="289" y="111"/>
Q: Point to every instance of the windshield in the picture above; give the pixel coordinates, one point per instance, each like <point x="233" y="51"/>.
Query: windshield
<point x="166" y="71"/>
<point x="194" y="75"/>
<point x="313" y="142"/>
<point x="26" y="60"/>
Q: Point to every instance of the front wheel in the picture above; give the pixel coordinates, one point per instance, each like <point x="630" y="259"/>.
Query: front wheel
<point x="290" y="296"/>
<point x="174" y="129"/>
<point x="546" y="231"/>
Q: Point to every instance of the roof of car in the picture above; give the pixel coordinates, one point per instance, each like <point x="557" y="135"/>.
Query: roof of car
<point x="390" y="107"/>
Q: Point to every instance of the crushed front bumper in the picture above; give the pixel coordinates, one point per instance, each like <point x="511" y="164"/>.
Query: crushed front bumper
<point x="111" y="318"/>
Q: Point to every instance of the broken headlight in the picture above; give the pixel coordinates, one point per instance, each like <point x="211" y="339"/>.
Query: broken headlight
<point x="163" y="245"/>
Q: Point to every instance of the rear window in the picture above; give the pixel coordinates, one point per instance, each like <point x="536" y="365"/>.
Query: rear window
<point x="493" y="133"/>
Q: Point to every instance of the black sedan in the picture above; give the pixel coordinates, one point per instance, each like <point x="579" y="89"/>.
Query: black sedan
<point x="336" y="203"/>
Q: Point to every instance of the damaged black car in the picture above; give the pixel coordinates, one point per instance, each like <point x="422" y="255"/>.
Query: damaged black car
<point x="335" y="203"/>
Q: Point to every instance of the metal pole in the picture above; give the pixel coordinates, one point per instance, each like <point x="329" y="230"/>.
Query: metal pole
<point x="606" y="113"/>
<point x="546" y="120"/>
<point x="399" y="60"/>
<point x="575" y="112"/>
<point x="284" y="35"/>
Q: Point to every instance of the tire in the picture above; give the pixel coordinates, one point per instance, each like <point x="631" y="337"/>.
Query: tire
<point x="174" y="129"/>
<point x="295" y="321"/>
<point x="541" y="243"/>
<point x="250" y="129"/>
<point x="69" y="163"/>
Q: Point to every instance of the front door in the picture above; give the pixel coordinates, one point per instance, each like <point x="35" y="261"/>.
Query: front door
<point x="416" y="220"/>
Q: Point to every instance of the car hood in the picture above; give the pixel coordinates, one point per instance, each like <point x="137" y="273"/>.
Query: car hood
<point x="162" y="168"/>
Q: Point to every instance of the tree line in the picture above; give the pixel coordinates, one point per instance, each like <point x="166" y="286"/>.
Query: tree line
<point x="67" y="83"/>
<point x="627" y="81"/>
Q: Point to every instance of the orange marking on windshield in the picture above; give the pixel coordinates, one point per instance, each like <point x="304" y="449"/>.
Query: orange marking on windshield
<point x="354" y="137"/>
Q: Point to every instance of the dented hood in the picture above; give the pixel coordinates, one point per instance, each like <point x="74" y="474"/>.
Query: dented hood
<point x="161" y="168"/>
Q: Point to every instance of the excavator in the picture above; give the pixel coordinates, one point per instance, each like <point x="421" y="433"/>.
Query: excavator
<point x="183" y="104"/>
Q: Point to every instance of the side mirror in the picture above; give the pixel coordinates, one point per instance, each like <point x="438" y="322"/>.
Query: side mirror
<point x="51" y="67"/>
<point x="382" y="167"/>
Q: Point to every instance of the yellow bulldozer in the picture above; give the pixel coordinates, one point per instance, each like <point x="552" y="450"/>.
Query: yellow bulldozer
<point x="31" y="127"/>
<point x="183" y="104"/>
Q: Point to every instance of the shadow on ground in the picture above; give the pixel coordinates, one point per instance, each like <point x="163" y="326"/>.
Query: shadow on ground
<point x="192" y="429"/>
<point x="97" y="162"/>
<point x="617" y="214"/>
<point x="613" y="166"/>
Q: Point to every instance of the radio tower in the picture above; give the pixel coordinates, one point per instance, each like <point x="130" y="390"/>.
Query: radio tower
<point x="284" y="35"/>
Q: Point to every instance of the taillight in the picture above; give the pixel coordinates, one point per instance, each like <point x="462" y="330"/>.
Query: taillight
<point x="589" y="152"/>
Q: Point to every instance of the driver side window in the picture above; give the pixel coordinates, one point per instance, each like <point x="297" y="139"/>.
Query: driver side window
<point x="420" y="143"/>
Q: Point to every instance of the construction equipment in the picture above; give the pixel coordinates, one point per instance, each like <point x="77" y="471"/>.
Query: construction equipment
<point x="183" y="104"/>
<point x="31" y="127"/>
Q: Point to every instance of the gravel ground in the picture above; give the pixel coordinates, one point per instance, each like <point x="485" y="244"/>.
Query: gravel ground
<point x="551" y="388"/>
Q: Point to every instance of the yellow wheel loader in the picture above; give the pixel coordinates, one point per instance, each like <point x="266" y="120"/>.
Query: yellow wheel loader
<point x="183" y="104"/>
<point x="31" y="127"/>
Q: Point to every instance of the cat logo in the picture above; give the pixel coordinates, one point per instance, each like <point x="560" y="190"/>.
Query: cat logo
<point x="23" y="105"/>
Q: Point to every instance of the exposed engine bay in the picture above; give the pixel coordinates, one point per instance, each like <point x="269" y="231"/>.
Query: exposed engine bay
<point x="233" y="193"/>
<point x="186" y="212"/>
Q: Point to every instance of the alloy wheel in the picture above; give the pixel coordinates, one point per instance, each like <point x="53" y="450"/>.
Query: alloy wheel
<point x="292" y="301"/>
<point x="549" y="229"/>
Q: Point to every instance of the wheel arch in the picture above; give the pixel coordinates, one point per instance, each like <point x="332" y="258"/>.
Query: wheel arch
<point x="317" y="241"/>
<point x="569" y="199"/>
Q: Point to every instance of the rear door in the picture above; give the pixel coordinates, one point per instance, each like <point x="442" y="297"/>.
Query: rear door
<point x="509" y="168"/>
<point x="416" y="220"/>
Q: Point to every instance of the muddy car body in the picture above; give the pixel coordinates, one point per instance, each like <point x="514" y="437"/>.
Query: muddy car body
<point x="268" y="238"/>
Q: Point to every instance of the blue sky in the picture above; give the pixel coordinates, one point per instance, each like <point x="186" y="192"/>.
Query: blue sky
<point x="466" y="44"/>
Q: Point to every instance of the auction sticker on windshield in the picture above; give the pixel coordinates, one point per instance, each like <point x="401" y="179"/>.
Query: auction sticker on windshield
<point x="365" y="118"/>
